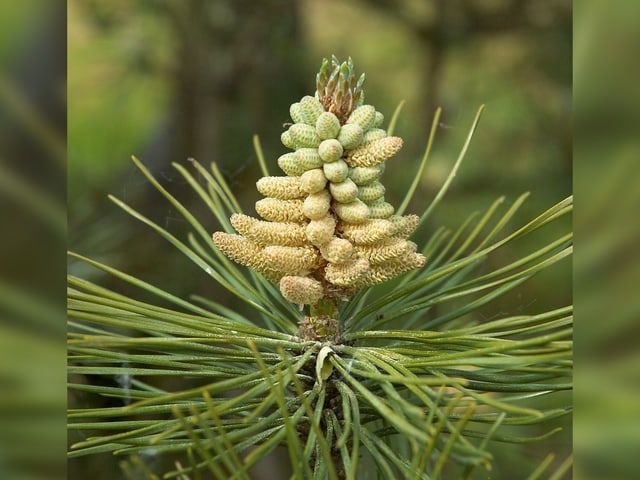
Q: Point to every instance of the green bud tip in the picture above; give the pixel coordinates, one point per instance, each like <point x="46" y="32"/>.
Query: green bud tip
<point x="339" y="90"/>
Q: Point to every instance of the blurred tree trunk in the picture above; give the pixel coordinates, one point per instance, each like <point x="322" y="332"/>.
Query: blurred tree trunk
<point x="237" y="63"/>
<point x="457" y="22"/>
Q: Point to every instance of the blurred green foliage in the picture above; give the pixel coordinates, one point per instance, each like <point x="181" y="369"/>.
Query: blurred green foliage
<point x="32" y="260"/>
<point x="607" y="270"/>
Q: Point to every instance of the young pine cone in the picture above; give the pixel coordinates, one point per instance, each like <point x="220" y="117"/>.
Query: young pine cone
<point x="327" y="230"/>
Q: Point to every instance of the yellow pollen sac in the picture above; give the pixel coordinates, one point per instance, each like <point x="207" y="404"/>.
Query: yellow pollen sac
<point x="405" y="225"/>
<point x="364" y="175"/>
<point x="246" y="253"/>
<point x="337" y="250"/>
<point x="286" y="139"/>
<point x="237" y="248"/>
<point x="394" y="267"/>
<point x="350" y="135"/>
<point x="373" y="134"/>
<point x="290" y="165"/>
<point x="364" y="116"/>
<point x="327" y="125"/>
<point x="311" y="109"/>
<point x="371" y="192"/>
<point x="367" y="233"/>
<point x="375" y="152"/>
<point x="385" y="250"/>
<point x="330" y="150"/>
<point x="308" y="158"/>
<point x="304" y="136"/>
<point x="344" y="192"/>
<point x="316" y="205"/>
<point x="276" y="210"/>
<point x="313" y="181"/>
<point x="296" y="113"/>
<point x="346" y="274"/>
<point x="336" y="171"/>
<point x="269" y="233"/>
<point x="381" y="209"/>
<point x="284" y="188"/>
<point x="301" y="290"/>
<point x="243" y="223"/>
<point x="353" y="212"/>
<point x="377" y="122"/>
<point x="321" y="231"/>
<point x="291" y="260"/>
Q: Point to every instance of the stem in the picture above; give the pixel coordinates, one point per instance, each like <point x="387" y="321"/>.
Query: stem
<point x="322" y="323"/>
<point x="325" y="306"/>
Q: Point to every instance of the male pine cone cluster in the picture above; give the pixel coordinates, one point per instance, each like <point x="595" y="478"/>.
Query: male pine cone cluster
<point x="327" y="230"/>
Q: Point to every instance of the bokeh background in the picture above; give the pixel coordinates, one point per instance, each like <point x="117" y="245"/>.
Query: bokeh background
<point x="167" y="80"/>
<point x="607" y="227"/>
<point x="32" y="239"/>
